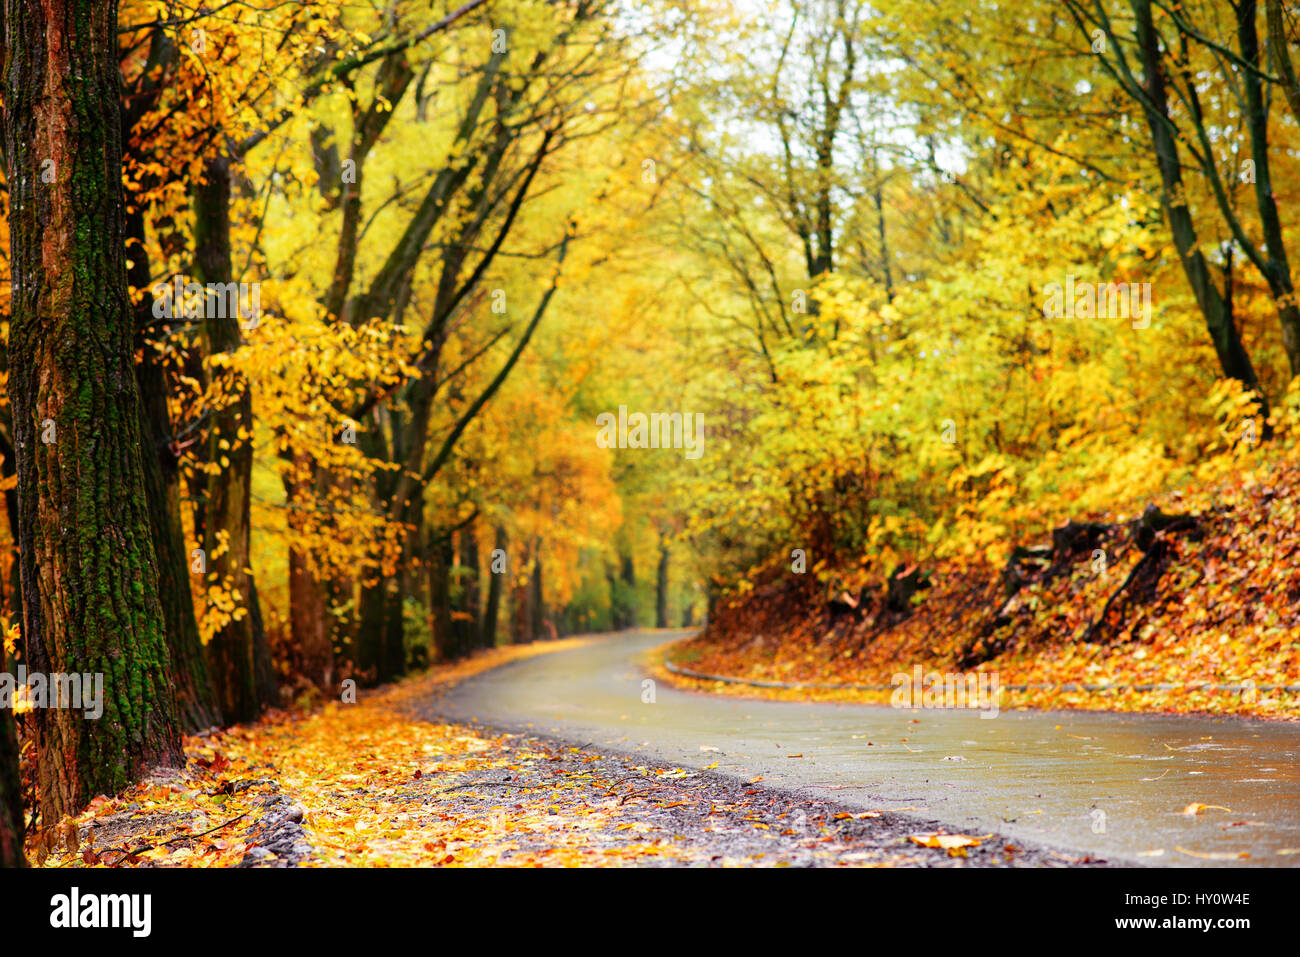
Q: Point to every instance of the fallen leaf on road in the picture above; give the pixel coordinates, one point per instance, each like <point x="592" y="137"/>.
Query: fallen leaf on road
<point x="1194" y="809"/>
<point x="1215" y="856"/>
<point x="954" y="844"/>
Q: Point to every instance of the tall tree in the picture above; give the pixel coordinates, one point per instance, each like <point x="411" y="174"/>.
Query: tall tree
<point x="89" y="573"/>
<point x="227" y="520"/>
<point x="1150" y="74"/>
<point x="145" y="81"/>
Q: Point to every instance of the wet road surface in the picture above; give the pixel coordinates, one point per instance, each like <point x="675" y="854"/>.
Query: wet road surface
<point x="1100" y="784"/>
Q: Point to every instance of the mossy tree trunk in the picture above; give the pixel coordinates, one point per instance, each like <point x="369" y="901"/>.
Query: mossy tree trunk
<point x="89" y="573"/>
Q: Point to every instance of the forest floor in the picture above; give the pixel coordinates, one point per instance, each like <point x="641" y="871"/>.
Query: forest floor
<point x="374" y="784"/>
<point x="1187" y="604"/>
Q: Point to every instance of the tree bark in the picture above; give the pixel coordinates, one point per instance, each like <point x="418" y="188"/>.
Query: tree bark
<point x="89" y="572"/>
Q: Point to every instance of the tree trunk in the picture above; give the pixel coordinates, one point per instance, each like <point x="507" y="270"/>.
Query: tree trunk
<point x="1277" y="268"/>
<point x="365" y="657"/>
<point x="1233" y="359"/>
<point x="89" y="573"/>
<point x="311" y="627"/>
<point x="469" y="603"/>
<point x="445" y="646"/>
<point x="393" y="664"/>
<point x="406" y="583"/>
<point x="661" y="586"/>
<point x="886" y="268"/>
<point x="537" y="599"/>
<point x="521" y="618"/>
<point x="628" y="590"/>
<point x="493" y="610"/>
<point x="11" y="796"/>
<point x="196" y="702"/>
<point x="1277" y="39"/>
<point x="264" y="674"/>
<point x="381" y="646"/>
<point x="308" y="620"/>
<point x="616" y="621"/>
<point x="227" y="529"/>
<point x="381" y="643"/>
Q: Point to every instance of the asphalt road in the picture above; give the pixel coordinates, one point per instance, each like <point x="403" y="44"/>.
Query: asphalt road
<point x="1107" y="785"/>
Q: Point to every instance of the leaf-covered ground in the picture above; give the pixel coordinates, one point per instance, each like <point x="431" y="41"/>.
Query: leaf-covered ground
<point x="1212" y="600"/>
<point x="372" y="784"/>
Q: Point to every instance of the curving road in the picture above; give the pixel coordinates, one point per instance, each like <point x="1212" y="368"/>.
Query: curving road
<point x="1109" y="785"/>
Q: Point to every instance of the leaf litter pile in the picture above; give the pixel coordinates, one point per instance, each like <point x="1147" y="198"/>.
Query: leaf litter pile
<point x="371" y="784"/>
<point x="1191" y="604"/>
